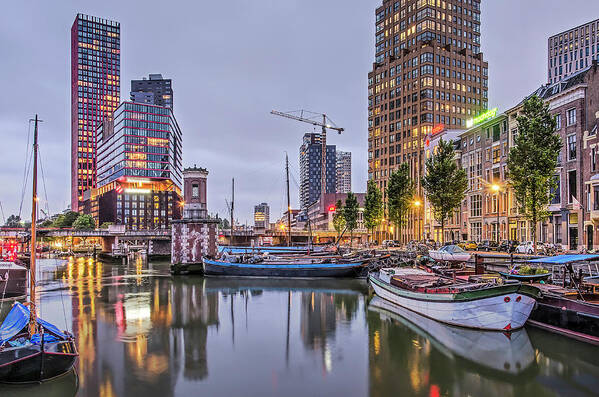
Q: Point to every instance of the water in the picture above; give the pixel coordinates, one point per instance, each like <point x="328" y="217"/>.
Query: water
<point x="141" y="332"/>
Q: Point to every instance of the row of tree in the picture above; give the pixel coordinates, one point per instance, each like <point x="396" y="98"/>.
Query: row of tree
<point x="531" y="169"/>
<point x="70" y="219"/>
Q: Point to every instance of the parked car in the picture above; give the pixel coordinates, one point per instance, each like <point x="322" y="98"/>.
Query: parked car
<point x="525" y="247"/>
<point x="488" y="245"/>
<point x="508" y="246"/>
<point x="471" y="245"/>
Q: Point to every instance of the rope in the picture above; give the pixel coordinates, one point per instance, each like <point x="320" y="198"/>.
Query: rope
<point x="25" y="180"/>
<point x="39" y="153"/>
<point x="25" y="167"/>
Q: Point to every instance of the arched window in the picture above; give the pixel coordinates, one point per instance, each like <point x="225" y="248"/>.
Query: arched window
<point x="195" y="190"/>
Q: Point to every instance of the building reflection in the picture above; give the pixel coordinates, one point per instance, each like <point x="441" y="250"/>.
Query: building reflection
<point x="129" y="320"/>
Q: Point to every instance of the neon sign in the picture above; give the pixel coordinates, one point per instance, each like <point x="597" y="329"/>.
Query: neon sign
<point x="489" y="114"/>
<point x="140" y="191"/>
<point x="437" y="129"/>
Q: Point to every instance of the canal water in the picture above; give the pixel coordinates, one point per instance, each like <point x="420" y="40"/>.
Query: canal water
<point x="141" y="332"/>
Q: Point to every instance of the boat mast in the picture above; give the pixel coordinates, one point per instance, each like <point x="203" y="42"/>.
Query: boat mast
<point x="288" y="201"/>
<point x="32" y="311"/>
<point x="232" y="207"/>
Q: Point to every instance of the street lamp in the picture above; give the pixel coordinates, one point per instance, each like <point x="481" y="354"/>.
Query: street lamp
<point x="496" y="188"/>
<point x="418" y="204"/>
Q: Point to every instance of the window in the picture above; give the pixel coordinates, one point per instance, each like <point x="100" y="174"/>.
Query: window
<point x="556" y="191"/>
<point x="596" y="198"/>
<point x="195" y="190"/>
<point x="571" y="185"/>
<point x="496" y="155"/>
<point x="496" y="133"/>
<point x="571" y="116"/>
<point x="476" y="205"/>
<point x="572" y="147"/>
<point x="558" y="121"/>
<point x="594" y="159"/>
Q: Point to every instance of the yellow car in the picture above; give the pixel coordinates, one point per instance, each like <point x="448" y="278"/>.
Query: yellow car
<point x="471" y="246"/>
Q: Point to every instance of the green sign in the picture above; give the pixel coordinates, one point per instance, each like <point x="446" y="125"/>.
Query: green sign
<point x="489" y="114"/>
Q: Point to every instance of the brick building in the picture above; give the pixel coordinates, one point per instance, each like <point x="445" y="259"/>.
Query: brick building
<point x="428" y="71"/>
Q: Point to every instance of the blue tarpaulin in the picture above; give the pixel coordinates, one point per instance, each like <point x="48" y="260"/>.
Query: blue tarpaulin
<point x="17" y="320"/>
<point x="564" y="259"/>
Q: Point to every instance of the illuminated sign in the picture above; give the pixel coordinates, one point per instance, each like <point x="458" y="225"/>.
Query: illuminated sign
<point x="438" y="128"/>
<point x="137" y="180"/>
<point x="332" y="208"/>
<point x="489" y="114"/>
<point x="140" y="191"/>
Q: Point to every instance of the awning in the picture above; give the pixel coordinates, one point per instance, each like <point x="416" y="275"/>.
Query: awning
<point x="18" y="318"/>
<point x="563" y="259"/>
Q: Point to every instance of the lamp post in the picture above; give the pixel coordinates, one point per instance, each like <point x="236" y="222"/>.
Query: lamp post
<point x="418" y="205"/>
<point x="495" y="187"/>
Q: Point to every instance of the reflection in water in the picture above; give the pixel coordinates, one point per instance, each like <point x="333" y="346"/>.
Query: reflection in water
<point x="413" y="355"/>
<point x="142" y="332"/>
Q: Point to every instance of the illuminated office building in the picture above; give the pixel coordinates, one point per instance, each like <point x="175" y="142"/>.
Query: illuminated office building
<point x="139" y="168"/>
<point x="95" y="93"/>
<point x="428" y="75"/>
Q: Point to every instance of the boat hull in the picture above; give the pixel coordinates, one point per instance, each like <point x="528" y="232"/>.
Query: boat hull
<point x="449" y="258"/>
<point x="569" y="317"/>
<point x="490" y="310"/>
<point x="28" y="364"/>
<point x="220" y="268"/>
<point x="13" y="281"/>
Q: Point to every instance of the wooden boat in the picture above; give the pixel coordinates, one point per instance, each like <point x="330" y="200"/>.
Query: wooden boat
<point x="450" y="254"/>
<point x="525" y="277"/>
<point x="13" y="279"/>
<point x="31" y="349"/>
<point x="502" y="353"/>
<point x="569" y="311"/>
<point x="486" y="306"/>
<point x="314" y="268"/>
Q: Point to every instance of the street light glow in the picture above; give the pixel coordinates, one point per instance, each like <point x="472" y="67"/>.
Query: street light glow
<point x="495" y="187"/>
<point x="417" y="203"/>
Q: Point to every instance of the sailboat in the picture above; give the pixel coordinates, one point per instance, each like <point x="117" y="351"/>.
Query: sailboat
<point x="31" y="349"/>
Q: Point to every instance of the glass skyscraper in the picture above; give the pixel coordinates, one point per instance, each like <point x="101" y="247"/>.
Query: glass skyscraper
<point x="95" y="93"/>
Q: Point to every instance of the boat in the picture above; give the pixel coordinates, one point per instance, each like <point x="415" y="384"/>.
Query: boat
<point x="570" y="310"/>
<point x="479" y="305"/>
<point x="13" y="280"/>
<point x="525" y="277"/>
<point x="31" y="349"/>
<point x="450" y="254"/>
<point x="274" y="268"/>
<point x="502" y="353"/>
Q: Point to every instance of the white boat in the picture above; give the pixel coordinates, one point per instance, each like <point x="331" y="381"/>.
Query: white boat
<point x="509" y="354"/>
<point x="450" y="254"/>
<point x="486" y="306"/>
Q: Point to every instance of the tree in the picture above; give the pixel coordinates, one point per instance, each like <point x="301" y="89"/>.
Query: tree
<point x="84" y="222"/>
<point x="339" y="219"/>
<point x="224" y="224"/>
<point x="350" y="213"/>
<point x="106" y="225"/>
<point x="444" y="183"/>
<point x="13" y="221"/>
<point x="373" y="206"/>
<point x="532" y="161"/>
<point x="400" y="192"/>
<point x="66" y="220"/>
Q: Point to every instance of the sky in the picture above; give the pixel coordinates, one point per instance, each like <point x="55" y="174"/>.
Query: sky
<point x="231" y="63"/>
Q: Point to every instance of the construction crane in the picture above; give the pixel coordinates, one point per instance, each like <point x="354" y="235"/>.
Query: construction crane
<point x="306" y="116"/>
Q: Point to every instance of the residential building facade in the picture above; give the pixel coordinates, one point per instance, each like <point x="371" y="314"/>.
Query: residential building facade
<point x="343" y="166"/>
<point x="310" y="158"/>
<point x="428" y="73"/>
<point x="572" y="50"/>
<point x="139" y="168"/>
<point x="95" y="93"/>
<point x="154" y="90"/>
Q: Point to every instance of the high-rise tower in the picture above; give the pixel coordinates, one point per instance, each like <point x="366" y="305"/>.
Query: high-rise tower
<point x="310" y="172"/>
<point x="428" y="75"/>
<point x="95" y="93"/>
<point x="156" y="90"/>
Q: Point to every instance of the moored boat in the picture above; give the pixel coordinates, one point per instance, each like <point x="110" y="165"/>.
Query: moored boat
<point x="13" y="279"/>
<point x="302" y="268"/>
<point x="486" y="306"/>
